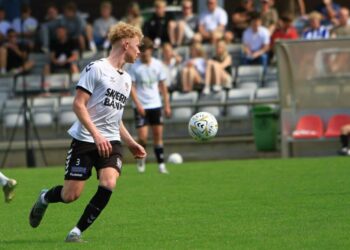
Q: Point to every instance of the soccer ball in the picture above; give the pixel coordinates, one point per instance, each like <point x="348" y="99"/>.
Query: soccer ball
<point x="175" y="158"/>
<point x="203" y="126"/>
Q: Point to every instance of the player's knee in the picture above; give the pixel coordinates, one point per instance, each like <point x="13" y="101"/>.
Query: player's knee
<point x="70" y="197"/>
<point x="108" y="184"/>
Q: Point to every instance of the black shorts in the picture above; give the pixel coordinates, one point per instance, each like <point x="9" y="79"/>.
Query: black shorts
<point x="152" y="117"/>
<point x="82" y="156"/>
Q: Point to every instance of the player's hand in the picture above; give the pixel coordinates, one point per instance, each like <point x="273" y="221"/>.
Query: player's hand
<point x="137" y="150"/>
<point x="141" y="111"/>
<point x="167" y="111"/>
<point x="104" y="147"/>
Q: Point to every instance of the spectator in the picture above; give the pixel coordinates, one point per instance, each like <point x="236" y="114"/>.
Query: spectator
<point x="329" y="11"/>
<point x="343" y="29"/>
<point x="63" y="54"/>
<point x="48" y="28"/>
<point x="316" y="30"/>
<point x="102" y="25"/>
<point x="185" y="28"/>
<point x="285" y="30"/>
<point x="256" y="42"/>
<point x="4" y="24"/>
<point x="344" y="140"/>
<point x="241" y="18"/>
<point x="157" y="27"/>
<point x="26" y="26"/>
<point x="269" y="15"/>
<point x="77" y="27"/>
<point x="133" y="16"/>
<point x="193" y="72"/>
<point x="212" y="22"/>
<point x="16" y="55"/>
<point x="171" y="62"/>
<point x="219" y="69"/>
<point x="295" y="8"/>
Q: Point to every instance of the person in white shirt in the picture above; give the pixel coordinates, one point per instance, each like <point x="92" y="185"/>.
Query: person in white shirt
<point x="102" y="92"/>
<point x="171" y="63"/>
<point x="148" y="77"/>
<point x="102" y="25"/>
<point x="212" y="22"/>
<point x="256" y="42"/>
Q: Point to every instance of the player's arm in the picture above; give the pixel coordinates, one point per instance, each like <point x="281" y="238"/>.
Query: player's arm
<point x="164" y="91"/>
<point x="136" y="149"/>
<point x="80" y="109"/>
<point x="136" y="100"/>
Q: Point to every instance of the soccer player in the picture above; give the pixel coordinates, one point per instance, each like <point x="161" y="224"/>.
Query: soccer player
<point x="102" y="92"/>
<point x="8" y="186"/>
<point x="344" y="140"/>
<point x="148" y="78"/>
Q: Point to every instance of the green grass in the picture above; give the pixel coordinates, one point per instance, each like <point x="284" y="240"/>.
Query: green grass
<point x="250" y="204"/>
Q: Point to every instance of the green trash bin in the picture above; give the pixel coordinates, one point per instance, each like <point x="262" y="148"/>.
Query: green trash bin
<point x="265" y="128"/>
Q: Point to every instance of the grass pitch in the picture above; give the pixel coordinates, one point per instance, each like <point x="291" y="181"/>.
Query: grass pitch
<point x="250" y="204"/>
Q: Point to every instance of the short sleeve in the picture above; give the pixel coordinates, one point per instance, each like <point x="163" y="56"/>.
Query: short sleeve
<point x="89" y="77"/>
<point x="266" y="38"/>
<point x="162" y="73"/>
<point x="223" y="18"/>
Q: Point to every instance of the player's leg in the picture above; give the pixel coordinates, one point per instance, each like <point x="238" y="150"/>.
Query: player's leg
<point x="8" y="186"/>
<point x="344" y="140"/>
<point x="142" y="135"/>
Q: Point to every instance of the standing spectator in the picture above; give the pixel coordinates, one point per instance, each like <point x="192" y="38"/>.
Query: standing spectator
<point x="133" y="15"/>
<point x="26" y="26"/>
<point x="329" y="11"/>
<point x="256" y="42"/>
<point x="16" y="55"/>
<point x="48" y="28"/>
<point x="212" y="22"/>
<point x="63" y="54"/>
<point x="241" y="18"/>
<point x="219" y="69"/>
<point x="77" y="27"/>
<point x="186" y="26"/>
<point x="148" y="79"/>
<point x="102" y="25"/>
<point x="343" y="29"/>
<point x="269" y="15"/>
<point x="295" y="8"/>
<point x="315" y="29"/>
<point x="4" y="24"/>
<point x="193" y="72"/>
<point x="158" y="26"/>
<point x="171" y="62"/>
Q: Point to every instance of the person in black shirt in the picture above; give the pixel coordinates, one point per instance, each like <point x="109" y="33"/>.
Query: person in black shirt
<point x="63" y="53"/>
<point x="157" y="27"/>
<point x="241" y="18"/>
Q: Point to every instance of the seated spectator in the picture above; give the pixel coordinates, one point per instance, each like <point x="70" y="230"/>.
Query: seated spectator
<point x="193" y="72"/>
<point x="285" y="30"/>
<point x="157" y="26"/>
<point x="77" y="27"/>
<point x="329" y="11"/>
<point x="171" y="62"/>
<point x="184" y="30"/>
<point x="256" y="42"/>
<point x="26" y="26"/>
<point x="241" y="18"/>
<point x="219" y="69"/>
<point x="315" y="29"/>
<point x="269" y="15"/>
<point x="212" y="22"/>
<point x="4" y="24"/>
<point x="16" y="55"/>
<point x="63" y="54"/>
<point x="134" y="16"/>
<point x="344" y="140"/>
<point x="48" y="28"/>
<point x="102" y="25"/>
<point x="343" y="28"/>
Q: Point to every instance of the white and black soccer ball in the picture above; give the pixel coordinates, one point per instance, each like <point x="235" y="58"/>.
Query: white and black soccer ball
<point x="203" y="126"/>
<point x="175" y="158"/>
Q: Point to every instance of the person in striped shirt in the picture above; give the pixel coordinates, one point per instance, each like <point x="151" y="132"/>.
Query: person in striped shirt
<point x="315" y="30"/>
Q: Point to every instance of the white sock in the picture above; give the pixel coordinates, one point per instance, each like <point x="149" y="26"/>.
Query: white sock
<point x="76" y="230"/>
<point x="162" y="166"/>
<point x="3" y="179"/>
<point x="141" y="162"/>
<point x="42" y="197"/>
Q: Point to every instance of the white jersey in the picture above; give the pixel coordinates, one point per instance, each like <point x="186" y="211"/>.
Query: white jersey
<point x="109" y="90"/>
<point x="146" y="78"/>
